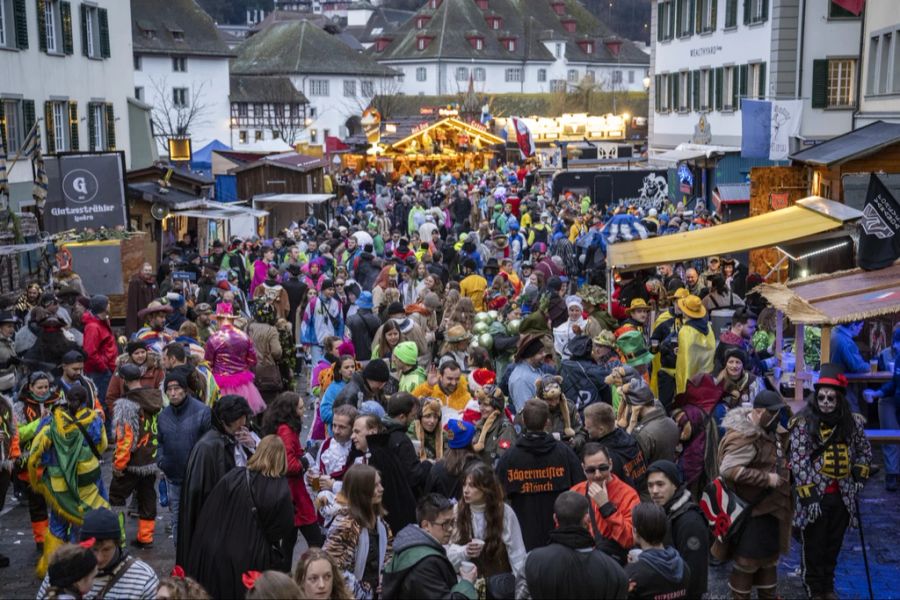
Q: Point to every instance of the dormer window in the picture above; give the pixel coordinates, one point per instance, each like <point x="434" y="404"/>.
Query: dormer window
<point x="477" y="42"/>
<point x="569" y="25"/>
<point x="422" y="21"/>
<point x="482" y="4"/>
<point x="558" y="7"/>
<point x="176" y="31"/>
<point x="509" y="43"/>
<point x="422" y="42"/>
<point x="494" y="22"/>
<point x="381" y="44"/>
<point x="586" y="46"/>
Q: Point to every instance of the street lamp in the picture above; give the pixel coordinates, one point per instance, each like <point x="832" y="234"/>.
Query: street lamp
<point x="647" y="83"/>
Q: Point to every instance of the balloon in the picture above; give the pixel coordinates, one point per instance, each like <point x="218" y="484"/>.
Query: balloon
<point x="493" y="314"/>
<point x="480" y="327"/>
<point x="481" y="317"/>
<point x="474" y="344"/>
<point x="363" y="238"/>
<point x="513" y="326"/>
<point x="486" y="340"/>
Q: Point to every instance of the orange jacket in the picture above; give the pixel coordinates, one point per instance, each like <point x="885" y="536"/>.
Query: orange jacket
<point x="616" y="525"/>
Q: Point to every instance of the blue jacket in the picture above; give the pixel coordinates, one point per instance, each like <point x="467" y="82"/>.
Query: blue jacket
<point x="844" y="351"/>
<point x="891" y="389"/>
<point x="178" y="429"/>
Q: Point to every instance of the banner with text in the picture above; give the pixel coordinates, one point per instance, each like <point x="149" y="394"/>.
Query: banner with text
<point x="85" y="191"/>
<point x="768" y="126"/>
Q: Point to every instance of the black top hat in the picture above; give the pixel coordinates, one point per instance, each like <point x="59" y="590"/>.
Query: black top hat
<point x="831" y="375"/>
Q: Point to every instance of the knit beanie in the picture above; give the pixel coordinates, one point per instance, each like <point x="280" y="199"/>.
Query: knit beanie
<point x="129" y="372"/>
<point x="376" y="370"/>
<point x="667" y="468"/>
<point x="99" y="303"/>
<point x="407" y="353"/>
<point x="174" y="377"/>
<point x="67" y="568"/>
<point x="100" y="524"/>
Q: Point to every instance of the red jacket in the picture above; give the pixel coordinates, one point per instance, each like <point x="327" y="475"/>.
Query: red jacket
<point x="99" y="345"/>
<point x="617" y="525"/>
<point x="304" y="511"/>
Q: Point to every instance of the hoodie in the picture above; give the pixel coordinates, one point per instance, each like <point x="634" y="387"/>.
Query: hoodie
<point x="658" y="573"/>
<point x="533" y="473"/>
<point x="420" y="569"/>
<point x="134" y="420"/>
<point x="628" y="462"/>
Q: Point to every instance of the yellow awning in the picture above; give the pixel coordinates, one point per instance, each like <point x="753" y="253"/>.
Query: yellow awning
<point x="806" y="218"/>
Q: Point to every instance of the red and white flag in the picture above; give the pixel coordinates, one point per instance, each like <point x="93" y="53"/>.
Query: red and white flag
<point x="523" y="137"/>
<point x="854" y="6"/>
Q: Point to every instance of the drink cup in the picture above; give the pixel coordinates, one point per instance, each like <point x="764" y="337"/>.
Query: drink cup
<point x="873" y="365"/>
<point x="466" y="567"/>
<point x="633" y="555"/>
<point x="313" y="475"/>
<point x="479" y="543"/>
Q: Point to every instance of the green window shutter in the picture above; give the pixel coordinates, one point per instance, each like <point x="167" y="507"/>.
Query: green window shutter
<point x="692" y="9"/>
<point x="28" y="116"/>
<point x="735" y="88"/>
<point x="765" y="10"/>
<point x="698" y="16"/>
<point x="104" y="33"/>
<point x="762" y="81"/>
<point x="676" y="78"/>
<point x="41" y="26"/>
<point x="48" y="126"/>
<point x="744" y="72"/>
<point x="110" y="127"/>
<point x="21" y="19"/>
<point x="84" y="30"/>
<point x="820" y="84"/>
<point x="656" y="99"/>
<point x="714" y="21"/>
<point x="91" y="123"/>
<point x="695" y="75"/>
<point x="719" y="82"/>
<point x="65" y="12"/>
<point x="730" y="13"/>
<point x="659" y="22"/>
<point x="746" y="12"/>
<point x="671" y="20"/>
<point x="73" y="126"/>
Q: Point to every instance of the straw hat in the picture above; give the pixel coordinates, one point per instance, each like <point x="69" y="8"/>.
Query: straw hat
<point x="605" y="338"/>
<point x="154" y="307"/>
<point x="680" y="293"/>
<point x="637" y="304"/>
<point x="458" y="333"/>
<point x="692" y="307"/>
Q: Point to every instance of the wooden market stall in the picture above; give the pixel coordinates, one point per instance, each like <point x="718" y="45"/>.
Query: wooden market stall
<point x="832" y="299"/>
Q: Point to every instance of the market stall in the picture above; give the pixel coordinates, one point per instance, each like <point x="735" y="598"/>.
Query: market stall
<point x="284" y="209"/>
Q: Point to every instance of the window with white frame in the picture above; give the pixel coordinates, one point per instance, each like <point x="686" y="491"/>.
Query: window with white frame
<point x="4" y="24"/>
<point x="514" y="74"/>
<point x="684" y="91"/>
<point x="98" y="126"/>
<point x="884" y="67"/>
<point x="685" y="17"/>
<point x="665" y="20"/>
<point x="705" y="89"/>
<point x="258" y="135"/>
<point x="572" y="76"/>
<point x="479" y="74"/>
<point x="138" y="62"/>
<point x="60" y="115"/>
<point x="367" y="88"/>
<point x="52" y="27"/>
<point x="462" y="73"/>
<point x="662" y="93"/>
<point x="421" y="74"/>
<point x="542" y="75"/>
<point x="841" y="83"/>
<point x="349" y="88"/>
<point x="91" y="30"/>
<point x="617" y="76"/>
<point x="557" y="85"/>
<point x="179" y="64"/>
<point x="180" y="97"/>
<point x="757" y="11"/>
<point x="139" y="92"/>
<point x="591" y="76"/>
<point x="12" y="125"/>
<point x="706" y="15"/>
<point x="559" y="50"/>
<point x="728" y="88"/>
<point x="755" y="80"/>
<point x="242" y="136"/>
<point x="318" y="87"/>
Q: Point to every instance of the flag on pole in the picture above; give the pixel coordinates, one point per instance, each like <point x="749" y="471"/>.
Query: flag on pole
<point x="523" y="137"/>
<point x="854" y="6"/>
<point x="879" y="240"/>
<point x="41" y="182"/>
<point x="31" y="142"/>
<point x="768" y="126"/>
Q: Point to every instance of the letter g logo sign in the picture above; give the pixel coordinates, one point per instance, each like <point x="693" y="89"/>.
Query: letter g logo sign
<point x="80" y="186"/>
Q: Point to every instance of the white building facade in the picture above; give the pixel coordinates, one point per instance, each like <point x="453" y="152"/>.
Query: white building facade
<point x="708" y="55"/>
<point x="879" y="94"/>
<point x="68" y="68"/>
<point x="181" y="69"/>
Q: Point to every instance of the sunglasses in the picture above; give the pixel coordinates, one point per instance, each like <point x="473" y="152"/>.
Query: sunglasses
<point x="600" y="468"/>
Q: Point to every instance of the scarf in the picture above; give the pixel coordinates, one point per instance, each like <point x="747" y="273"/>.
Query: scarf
<point x="485" y="428"/>
<point x="733" y="387"/>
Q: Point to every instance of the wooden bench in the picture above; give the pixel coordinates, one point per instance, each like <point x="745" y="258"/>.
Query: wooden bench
<point x="883" y="436"/>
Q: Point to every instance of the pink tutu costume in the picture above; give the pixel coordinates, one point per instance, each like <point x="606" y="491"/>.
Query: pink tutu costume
<point x="231" y="356"/>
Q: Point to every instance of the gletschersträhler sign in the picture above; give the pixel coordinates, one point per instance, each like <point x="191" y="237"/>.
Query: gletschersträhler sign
<point x="85" y="191"/>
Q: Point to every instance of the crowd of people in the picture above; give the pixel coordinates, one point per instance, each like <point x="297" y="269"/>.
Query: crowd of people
<point x="436" y="391"/>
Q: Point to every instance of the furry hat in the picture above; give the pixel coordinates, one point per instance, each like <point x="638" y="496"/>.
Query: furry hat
<point x="550" y="386"/>
<point x="430" y="406"/>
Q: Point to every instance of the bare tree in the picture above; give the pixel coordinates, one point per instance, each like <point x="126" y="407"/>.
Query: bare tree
<point x="176" y="111"/>
<point x="387" y="97"/>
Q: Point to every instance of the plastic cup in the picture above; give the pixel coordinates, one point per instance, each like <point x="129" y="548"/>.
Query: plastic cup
<point x="313" y="475"/>
<point x="633" y="555"/>
<point x="873" y="365"/>
<point x="466" y="567"/>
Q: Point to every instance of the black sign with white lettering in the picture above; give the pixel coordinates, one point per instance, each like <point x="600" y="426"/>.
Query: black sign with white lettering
<point x="85" y="191"/>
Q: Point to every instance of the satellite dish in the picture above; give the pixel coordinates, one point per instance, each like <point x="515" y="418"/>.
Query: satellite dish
<point x="159" y="211"/>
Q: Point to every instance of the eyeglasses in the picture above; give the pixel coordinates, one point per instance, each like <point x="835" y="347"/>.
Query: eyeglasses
<point x="592" y="470"/>
<point x="448" y="524"/>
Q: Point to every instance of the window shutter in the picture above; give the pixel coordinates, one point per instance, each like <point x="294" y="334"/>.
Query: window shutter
<point x="110" y="127"/>
<point x="104" y="33"/>
<point x="659" y="22"/>
<point x="92" y="124"/>
<point x="41" y="26"/>
<point x="21" y="19"/>
<point x="73" y="126"/>
<point x="714" y="19"/>
<point x="746" y="12"/>
<point x="695" y="75"/>
<point x="730" y="13"/>
<point x="28" y="115"/>
<point x="698" y="16"/>
<point x="65" y="14"/>
<point x="48" y="126"/>
<point x="656" y="90"/>
<point x="3" y="132"/>
<point x="719" y="91"/>
<point x="743" y="72"/>
<point x="762" y="81"/>
<point x="676" y="92"/>
<point x="735" y="88"/>
<point x="84" y="30"/>
<point x="692" y="7"/>
<point x="820" y="84"/>
<point x="765" y="9"/>
<point x="671" y="20"/>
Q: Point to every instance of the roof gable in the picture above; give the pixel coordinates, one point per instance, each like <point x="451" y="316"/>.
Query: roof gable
<point x="855" y="144"/>
<point x="175" y="27"/>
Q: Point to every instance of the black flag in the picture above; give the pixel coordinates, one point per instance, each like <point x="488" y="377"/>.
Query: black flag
<point x="879" y="244"/>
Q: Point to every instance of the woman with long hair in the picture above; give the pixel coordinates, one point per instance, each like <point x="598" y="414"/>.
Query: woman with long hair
<point x="319" y="578"/>
<point x="284" y="418"/>
<point x="245" y="524"/>
<point x="274" y="585"/>
<point x="359" y="541"/>
<point x="386" y="280"/>
<point x="427" y="431"/>
<point x="385" y="341"/>
<point x="343" y="369"/>
<point x="487" y="530"/>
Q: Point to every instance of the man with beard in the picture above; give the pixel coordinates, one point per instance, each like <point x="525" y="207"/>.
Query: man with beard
<point x="738" y="335"/>
<point x="154" y="331"/>
<point x="688" y="530"/>
<point x="227" y="445"/>
<point x="142" y="289"/>
<point x="73" y="376"/>
<point x="447" y="384"/>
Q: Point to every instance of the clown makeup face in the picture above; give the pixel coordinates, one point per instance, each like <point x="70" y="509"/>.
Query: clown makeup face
<point x="827" y="400"/>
